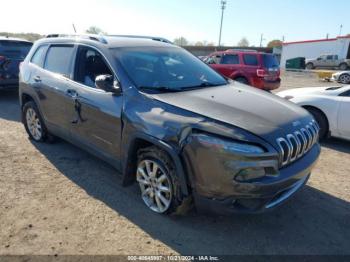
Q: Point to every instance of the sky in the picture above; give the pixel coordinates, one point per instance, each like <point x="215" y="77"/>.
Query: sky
<point x="196" y="20"/>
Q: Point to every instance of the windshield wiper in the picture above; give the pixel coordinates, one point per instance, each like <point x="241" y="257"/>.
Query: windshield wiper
<point x="160" y="88"/>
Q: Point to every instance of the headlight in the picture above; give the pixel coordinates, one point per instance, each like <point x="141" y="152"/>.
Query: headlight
<point x="229" y="146"/>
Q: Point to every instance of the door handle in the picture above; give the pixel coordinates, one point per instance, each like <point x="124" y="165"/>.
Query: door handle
<point x="72" y="93"/>
<point x="37" y="79"/>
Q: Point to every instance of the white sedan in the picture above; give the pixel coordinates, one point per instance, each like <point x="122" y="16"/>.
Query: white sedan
<point x="341" y="77"/>
<point x="330" y="107"/>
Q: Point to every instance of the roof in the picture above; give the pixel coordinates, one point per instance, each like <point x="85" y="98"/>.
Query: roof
<point x="113" y="41"/>
<point x="318" y="40"/>
<point x="13" y="39"/>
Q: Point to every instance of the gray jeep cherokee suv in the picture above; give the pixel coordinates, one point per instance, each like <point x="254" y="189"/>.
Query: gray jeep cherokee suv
<point x="167" y="121"/>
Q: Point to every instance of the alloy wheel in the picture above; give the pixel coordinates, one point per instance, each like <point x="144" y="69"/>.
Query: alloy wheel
<point x="344" y="79"/>
<point x="155" y="185"/>
<point x="33" y="124"/>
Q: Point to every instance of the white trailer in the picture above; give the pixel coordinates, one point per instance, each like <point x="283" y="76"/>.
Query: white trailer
<point x="314" y="48"/>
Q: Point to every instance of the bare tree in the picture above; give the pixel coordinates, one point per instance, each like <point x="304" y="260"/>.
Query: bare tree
<point x="243" y="42"/>
<point x="95" y="30"/>
<point x="181" y="41"/>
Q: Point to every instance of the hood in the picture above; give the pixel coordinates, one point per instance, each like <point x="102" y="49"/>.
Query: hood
<point x="256" y="111"/>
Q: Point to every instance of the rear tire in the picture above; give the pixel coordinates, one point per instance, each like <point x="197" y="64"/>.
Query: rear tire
<point x="321" y="120"/>
<point x="156" y="175"/>
<point x="344" y="78"/>
<point x="310" y="66"/>
<point x="33" y="122"/>
<point x="343" y="66"/>
<point x="242" y="80"/>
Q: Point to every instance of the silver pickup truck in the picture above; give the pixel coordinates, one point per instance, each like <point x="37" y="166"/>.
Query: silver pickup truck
<point x="329" y="61"/>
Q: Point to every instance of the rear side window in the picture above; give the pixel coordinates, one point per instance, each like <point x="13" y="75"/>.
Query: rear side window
<point x="270" y="61"/>
<point x="58" y="59"/>
<point x="251" y="60"/>
<point x="38" y="57"/>
<point x="14" y="49"/>
<point x="230" y="60"/>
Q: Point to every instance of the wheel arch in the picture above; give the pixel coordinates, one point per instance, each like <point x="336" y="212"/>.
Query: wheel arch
<point x="139" y="141"/>
<point x="319" y="110"/>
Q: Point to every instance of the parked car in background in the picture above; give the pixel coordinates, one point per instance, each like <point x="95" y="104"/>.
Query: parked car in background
<point x="169" y="122"/>
<point x="327" y="61"/>
<point x="12" y="53"/>
<point x="260" y="70"/>
<point x="330" y="106"/>
<point x="341" y="77"/>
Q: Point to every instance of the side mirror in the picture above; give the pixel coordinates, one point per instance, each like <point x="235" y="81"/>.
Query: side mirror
<point x="108" y="84"/>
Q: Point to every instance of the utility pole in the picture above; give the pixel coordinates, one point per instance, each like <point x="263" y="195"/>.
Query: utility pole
<point x="341" y="29"/>
<point x="223" y="6"/>
<point x="75" y="31"/>
<point x="261" y="39"/>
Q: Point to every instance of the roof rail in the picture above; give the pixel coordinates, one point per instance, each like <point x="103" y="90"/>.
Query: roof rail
<point x="155" y="38"/>
<point x="242" y="50"/>
<point x="98" y="38"/>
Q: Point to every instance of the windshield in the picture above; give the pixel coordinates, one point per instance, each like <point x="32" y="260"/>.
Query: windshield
<point x="270" y="61"/>
<point x="166" y="68"/>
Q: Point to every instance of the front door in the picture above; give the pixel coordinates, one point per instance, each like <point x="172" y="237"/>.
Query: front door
<point x="95" y="114"/>
<point x="343" y="115"/>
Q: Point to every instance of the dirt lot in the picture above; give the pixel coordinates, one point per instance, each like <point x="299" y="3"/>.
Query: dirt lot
<point x="57" y="199"/>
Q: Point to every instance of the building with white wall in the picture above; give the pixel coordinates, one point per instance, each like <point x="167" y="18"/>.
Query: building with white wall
<point x="314" y="48"/>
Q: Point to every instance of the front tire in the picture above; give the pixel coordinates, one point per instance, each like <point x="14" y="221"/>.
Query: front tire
<point x="321" y="121"/>
<point x="344" y="79"/>
<point x="156" y="176"/>
<point x="33" y="122"/>
<point x="310" y="66"/>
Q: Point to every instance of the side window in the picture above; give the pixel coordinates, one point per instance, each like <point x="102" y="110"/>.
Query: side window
<point x="230" y="60"/>
<point x="214" y="59"/>
<point x="346" y="93"/>
<point x="89" y="64"/>
<point x="329" y="57"/>
<point x="58" y="59"/>
<point x="251" y="60"/>
<point x="39" y="55"/>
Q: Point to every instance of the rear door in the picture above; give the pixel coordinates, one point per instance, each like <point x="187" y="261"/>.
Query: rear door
<point x="12" y="53"/>
<point x="52" y="85"/>
<point x="95" y="114"/>
<point x="251" y="62"/>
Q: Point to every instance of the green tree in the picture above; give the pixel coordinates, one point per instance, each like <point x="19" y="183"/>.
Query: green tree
<point x="95" y="30"/>
<point x="181" y="41"/>
<point x="274" y="43"/>
<point x="243" y="42"/>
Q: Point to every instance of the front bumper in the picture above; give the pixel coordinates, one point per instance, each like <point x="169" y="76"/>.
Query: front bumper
<point x="218" y="192"/>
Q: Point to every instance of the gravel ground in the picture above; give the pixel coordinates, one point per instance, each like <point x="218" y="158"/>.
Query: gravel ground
<point x="57" y="199"/>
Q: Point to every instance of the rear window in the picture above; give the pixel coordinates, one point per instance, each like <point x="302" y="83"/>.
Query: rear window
<point x="38" y="57"/>
<point x="14" y="49"/>
<point x="251" y="60"/>
<point x="58" y="59"/>
<point x="270" y="61"/>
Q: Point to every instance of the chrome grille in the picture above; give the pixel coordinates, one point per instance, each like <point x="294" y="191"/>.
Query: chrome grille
<point x="296" y="144"/>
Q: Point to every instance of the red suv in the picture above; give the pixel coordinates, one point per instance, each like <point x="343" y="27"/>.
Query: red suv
<point x="249" y="67"/>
